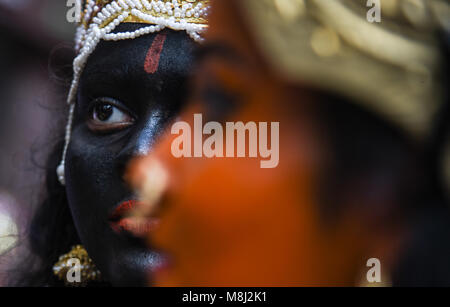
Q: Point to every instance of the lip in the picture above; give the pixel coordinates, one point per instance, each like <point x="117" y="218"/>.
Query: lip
<point x="123" y="220"/>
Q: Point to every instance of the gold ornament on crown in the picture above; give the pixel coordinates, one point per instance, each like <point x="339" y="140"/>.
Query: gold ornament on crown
<point x="188" y="15"/>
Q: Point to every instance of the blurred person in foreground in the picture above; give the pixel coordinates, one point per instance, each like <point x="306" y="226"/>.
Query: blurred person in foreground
<point x="363" y="135"/>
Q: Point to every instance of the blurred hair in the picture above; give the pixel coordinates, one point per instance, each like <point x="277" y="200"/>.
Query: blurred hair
<point x="51" y="232"/>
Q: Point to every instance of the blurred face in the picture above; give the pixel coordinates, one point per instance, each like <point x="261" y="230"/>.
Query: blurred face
<point x="128" y="92"/>
<point x="227" y="221"/>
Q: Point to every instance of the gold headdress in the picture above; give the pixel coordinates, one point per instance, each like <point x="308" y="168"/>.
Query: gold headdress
<point x="390" y="65"/>
<point x="388" y="61"/>
<point x="99" y="18"/>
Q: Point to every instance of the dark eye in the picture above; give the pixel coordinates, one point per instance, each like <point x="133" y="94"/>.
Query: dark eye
<point x="106" y="115"/>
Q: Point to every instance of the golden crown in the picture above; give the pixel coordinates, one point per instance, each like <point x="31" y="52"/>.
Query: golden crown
<point x="104" y="15"/>
<point x="187" y="10"/>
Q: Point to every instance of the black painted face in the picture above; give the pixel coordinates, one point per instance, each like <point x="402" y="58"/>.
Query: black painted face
<point x="128" y="93"/>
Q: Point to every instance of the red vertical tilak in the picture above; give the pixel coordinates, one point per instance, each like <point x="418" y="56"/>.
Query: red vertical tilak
<point x="154" y="53"/>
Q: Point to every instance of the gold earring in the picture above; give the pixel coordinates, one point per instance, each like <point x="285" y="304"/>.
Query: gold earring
<point x="68" y="262"/>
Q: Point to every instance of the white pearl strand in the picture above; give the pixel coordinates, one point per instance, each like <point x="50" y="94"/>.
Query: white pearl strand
<point x="87" y="39"/>
<point x="61" y="167"/>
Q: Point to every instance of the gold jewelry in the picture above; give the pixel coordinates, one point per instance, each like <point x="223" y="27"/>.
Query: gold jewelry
<point x="88" y="270"/>
<point x="390" y="67"/>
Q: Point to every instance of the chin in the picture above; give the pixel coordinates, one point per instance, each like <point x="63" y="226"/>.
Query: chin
<point x="129" y="262"/>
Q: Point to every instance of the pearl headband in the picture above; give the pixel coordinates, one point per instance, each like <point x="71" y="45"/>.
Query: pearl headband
<point x="100" y="17"/>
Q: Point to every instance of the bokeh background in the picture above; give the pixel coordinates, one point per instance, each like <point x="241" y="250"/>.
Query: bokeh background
<point x="35" y="50"/>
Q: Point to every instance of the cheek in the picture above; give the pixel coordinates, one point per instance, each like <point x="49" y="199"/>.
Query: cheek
<point x="89" y="176"/>
<point x="88" y="166"/>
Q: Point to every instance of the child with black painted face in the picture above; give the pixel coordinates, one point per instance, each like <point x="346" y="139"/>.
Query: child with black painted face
<point x="133" y="60"/>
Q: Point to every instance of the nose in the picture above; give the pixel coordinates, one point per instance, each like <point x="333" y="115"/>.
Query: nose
<point x="143" y="138"/>
<point x="147" y="136"/>
<point x="155" y="183"/>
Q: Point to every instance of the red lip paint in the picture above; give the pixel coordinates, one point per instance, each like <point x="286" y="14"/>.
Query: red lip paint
<point x="121" y="220"/>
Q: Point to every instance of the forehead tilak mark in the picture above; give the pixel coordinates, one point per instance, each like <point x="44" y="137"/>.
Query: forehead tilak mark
<point x="154" y="54"/>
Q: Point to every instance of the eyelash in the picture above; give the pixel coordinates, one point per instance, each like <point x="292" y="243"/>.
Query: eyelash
<point x="99" y="125"/>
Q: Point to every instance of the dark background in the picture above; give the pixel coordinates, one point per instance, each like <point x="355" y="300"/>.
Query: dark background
<point x="35" y="56"/>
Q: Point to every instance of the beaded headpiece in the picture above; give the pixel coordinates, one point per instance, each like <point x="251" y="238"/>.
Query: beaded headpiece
<point x="99" y="18"/>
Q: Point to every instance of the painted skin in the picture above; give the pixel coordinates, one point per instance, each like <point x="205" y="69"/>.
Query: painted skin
<point x="128" y="93"/>
<point x="228" y="222"/>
